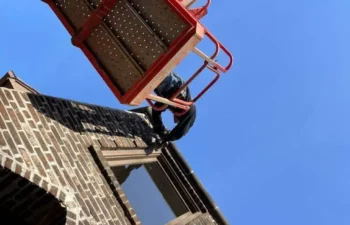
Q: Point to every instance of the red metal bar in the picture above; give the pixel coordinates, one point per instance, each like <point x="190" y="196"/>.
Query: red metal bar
<point x="164" y="106"/>
<point x="221" y="46"/>
<point x="161" y="108"/>
<point x="183" y="111"/>
<point x="93" y="21"/>
<point x="205" y="65"/>
<point x="190" y="17"/>
<point x="182" y="102"/>
<point x="200" y="12"/>
<point x="189" y="81"/>
<point x="196" y="73"/>
<point x="207" y="5"/>
<point x="218" y="46"/>
<point x="201" y="93"/>
<point x="210" y="84"/>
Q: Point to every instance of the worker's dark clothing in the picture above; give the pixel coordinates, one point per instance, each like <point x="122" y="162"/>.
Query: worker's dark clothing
<point x="168" y="87"/>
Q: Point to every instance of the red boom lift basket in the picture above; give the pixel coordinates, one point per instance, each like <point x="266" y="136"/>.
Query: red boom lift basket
<point x="135" y="44"/>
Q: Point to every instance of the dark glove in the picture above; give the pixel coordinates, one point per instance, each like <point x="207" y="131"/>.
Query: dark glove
<point x="159" y="129"/>
<point x="162" y="132"/>
<point x="166" y="136"/>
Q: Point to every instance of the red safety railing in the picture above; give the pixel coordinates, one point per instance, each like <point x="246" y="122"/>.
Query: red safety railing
<point x="208" y="63"/>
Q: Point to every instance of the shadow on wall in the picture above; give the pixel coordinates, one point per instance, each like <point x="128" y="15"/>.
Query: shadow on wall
<point x="85" y="118"/>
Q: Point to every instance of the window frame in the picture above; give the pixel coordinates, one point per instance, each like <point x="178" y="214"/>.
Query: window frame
<point x="121" y="157"/>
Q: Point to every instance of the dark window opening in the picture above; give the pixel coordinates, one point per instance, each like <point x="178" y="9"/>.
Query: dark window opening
<point x="9" y="218"/>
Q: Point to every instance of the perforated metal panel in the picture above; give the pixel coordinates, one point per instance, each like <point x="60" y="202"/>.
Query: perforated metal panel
<point x="76" y="11"/>
<point x="161" y="18"/>
<point x="135" y="36"/>
<point x="120" y="68"/>
<point x="145" y="28"/>
<point x="132" y="37"/>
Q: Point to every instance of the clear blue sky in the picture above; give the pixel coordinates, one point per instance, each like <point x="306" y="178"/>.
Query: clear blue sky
<point x="271" y="142"/>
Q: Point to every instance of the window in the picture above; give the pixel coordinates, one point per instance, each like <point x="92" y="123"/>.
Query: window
<point x="145" y="188"/>
<point x="151" y="188"/>
<point x="150" y="192"/>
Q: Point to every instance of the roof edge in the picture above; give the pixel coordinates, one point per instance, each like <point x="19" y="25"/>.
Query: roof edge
<point x="10" y="80"/>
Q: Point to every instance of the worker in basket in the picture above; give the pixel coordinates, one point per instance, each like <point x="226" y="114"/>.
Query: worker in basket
<point x="166" y="89"/>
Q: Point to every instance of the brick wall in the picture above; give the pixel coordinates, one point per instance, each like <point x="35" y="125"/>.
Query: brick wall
<point x="49" y="138"/>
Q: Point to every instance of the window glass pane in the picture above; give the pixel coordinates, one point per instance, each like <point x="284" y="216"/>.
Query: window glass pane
<point x="152" y="196"/>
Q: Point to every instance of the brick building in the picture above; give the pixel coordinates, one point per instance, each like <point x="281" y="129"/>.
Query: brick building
<point x="65" y="162"/>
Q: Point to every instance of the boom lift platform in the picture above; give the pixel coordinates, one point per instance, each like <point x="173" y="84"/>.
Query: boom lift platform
<point x="135" y="44"/>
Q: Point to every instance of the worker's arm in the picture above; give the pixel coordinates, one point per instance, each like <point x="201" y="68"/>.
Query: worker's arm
<point x="185" y="122"/>
<point x="157" y="120"/>
<point x="184" y="125"/>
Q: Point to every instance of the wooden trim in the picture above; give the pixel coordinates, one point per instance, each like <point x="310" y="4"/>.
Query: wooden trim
<point x="129" y="157"/>
<point x="124" y="162"/>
